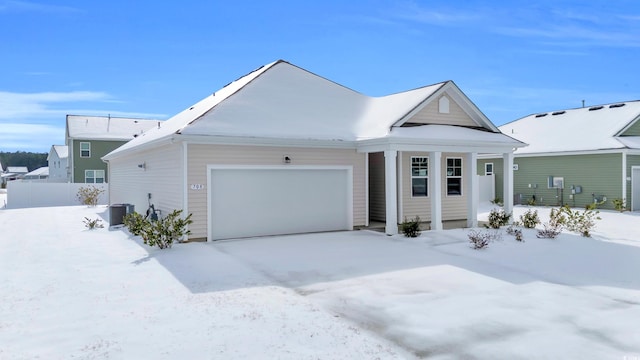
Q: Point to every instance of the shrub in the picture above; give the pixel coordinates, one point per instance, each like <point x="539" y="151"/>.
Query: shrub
<point x="92" y="224"/>
<point x="619" y="204"/>
<point x="497" y="201"/>
<point x="481" y="239"/>
<point x="89" y="195"/>
<point x="530" y="219"/>
<point x="517" y="233"/>
<point x="498" y="218"/>
<point x="553" y="228"/>
<point x="134" y="222"/>
<point x="531" y="201"/>
<point x="580" y="222"/>
<point x="549" y="231"/>
<point x="161" y="233"/>
<point x="411" y="228"/>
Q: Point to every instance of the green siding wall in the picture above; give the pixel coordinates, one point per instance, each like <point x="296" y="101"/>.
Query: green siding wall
<point x="498" y="170"/>
<point x="98" y="150"/>
<point x="597" y="174"/>
<point x="634" y="130"/>
<point x="632" y="160"/>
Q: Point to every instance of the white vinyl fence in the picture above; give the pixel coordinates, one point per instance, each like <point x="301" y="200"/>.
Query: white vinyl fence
<point x="487" y="188"/>
<point x="37" y="194"/>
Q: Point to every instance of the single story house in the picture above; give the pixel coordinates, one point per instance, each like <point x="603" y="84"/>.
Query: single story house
<point x="88" y="138"/>
<point x="41" y="173"/>
<point x="575" y="157"/>
<point x="14" y="173"/>
<point x="282" y="150"/>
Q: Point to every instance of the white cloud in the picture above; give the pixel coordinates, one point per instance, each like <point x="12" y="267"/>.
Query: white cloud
<point x="38" y="105"/>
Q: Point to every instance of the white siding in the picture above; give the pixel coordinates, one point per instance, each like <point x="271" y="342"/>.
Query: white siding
<point x="430" y="114"/>
<point x="162" y="177"/>
<point x="201" y="155"/>
<point x="453" y="207"/>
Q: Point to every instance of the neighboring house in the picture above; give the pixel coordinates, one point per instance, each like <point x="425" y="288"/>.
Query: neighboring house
<point x="59" y="164"/>
<point x="14" y="173"/>
<point x="41" y="173"/>
<point x="88" y="138"/>
<point x="576" y="156"/>
<point x="282" y="150"/>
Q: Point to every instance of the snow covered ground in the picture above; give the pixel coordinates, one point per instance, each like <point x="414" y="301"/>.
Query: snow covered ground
<point x="70" y="293"/>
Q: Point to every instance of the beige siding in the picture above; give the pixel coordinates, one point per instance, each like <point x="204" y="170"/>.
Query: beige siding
<point x="377" y="209"/>
<point x="162" y="177"/>
<point x="430" y="115"/>
<point x="453" y="207"/>
<point x="202" y="155"/>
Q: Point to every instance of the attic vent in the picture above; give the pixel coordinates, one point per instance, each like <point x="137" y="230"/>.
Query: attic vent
<point x="616" y="105"/>
<point x="541" y="115"/>
<point x="191" y="108"/>
<point x="135" y="135"/>
<point x="595" y="108"/>
<point x="559" y="112"/>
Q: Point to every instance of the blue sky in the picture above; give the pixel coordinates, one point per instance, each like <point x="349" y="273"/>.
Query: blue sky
<point x="154" y="59"/>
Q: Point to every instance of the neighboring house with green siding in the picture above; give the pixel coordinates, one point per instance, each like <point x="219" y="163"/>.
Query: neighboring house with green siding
<point x="575" y="157"/>
<point x="89" y="138"/>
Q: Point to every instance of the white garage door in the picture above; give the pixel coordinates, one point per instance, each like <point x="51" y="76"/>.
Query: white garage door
<point x="260" y="201"/>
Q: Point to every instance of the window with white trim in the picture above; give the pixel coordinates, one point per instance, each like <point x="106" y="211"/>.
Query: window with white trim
<point x="454" y="176"/>
<point x="488" y="169"/>
<point x="85" y="149"/>
<point x="94" y="176"/>
<point x="419" y="176"/>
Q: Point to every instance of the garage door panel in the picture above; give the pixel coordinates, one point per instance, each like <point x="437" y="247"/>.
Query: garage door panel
<point x="256" y="202"/>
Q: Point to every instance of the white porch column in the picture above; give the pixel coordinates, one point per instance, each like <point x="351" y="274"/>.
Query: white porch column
<point x="435" y="189"/>
<point x="508" y="182"/>
<point x="471" y="177"/>
<point x="391" y="191"/>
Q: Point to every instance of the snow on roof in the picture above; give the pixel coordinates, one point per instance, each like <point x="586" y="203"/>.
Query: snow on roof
<point x="62" y="151"/>
<point x="17" y="169"/>
<point x="39" y="172"/>
<point x="107" y="127"/>
<point x="283" y="101"/>
<point x="582" y="129"/>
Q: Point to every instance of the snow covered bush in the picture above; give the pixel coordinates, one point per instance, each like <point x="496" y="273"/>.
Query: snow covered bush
<point x="553" y="228"/>
<point x="92" y="224"/>
<point x="481" y="239"/>
<point x="530" y="219"/>
<point x="581" y="222"/>
<point x="134" y="222"/>
<point x="89" y="195"/>
<point x="498" y="218"/>
<point x="411" y="228"/>
<point x="517" y="233"/>
<point x="162" y="232"/>
<point x="619" y="204"/>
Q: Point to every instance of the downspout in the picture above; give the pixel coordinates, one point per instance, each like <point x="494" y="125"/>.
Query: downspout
<point x="185" y="179"/>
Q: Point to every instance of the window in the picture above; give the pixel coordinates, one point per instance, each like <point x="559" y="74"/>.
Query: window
<point x="488" y="169"/>
<point x="85" y="149"/>
<point x="94" y="176"/>
<point x="454" y="176"/>
<point x="419" y="176"/>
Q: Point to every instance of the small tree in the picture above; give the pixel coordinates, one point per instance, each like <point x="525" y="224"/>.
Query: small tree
<point x="411" y="228"/>
<point x="530" y="219"/>
<point x="89" y="195"/>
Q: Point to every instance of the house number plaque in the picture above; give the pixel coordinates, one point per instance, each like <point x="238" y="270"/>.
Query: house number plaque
<point x="197" y="186"/>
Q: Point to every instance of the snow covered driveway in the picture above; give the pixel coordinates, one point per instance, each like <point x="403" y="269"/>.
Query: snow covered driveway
<point x="70" y="293"/>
